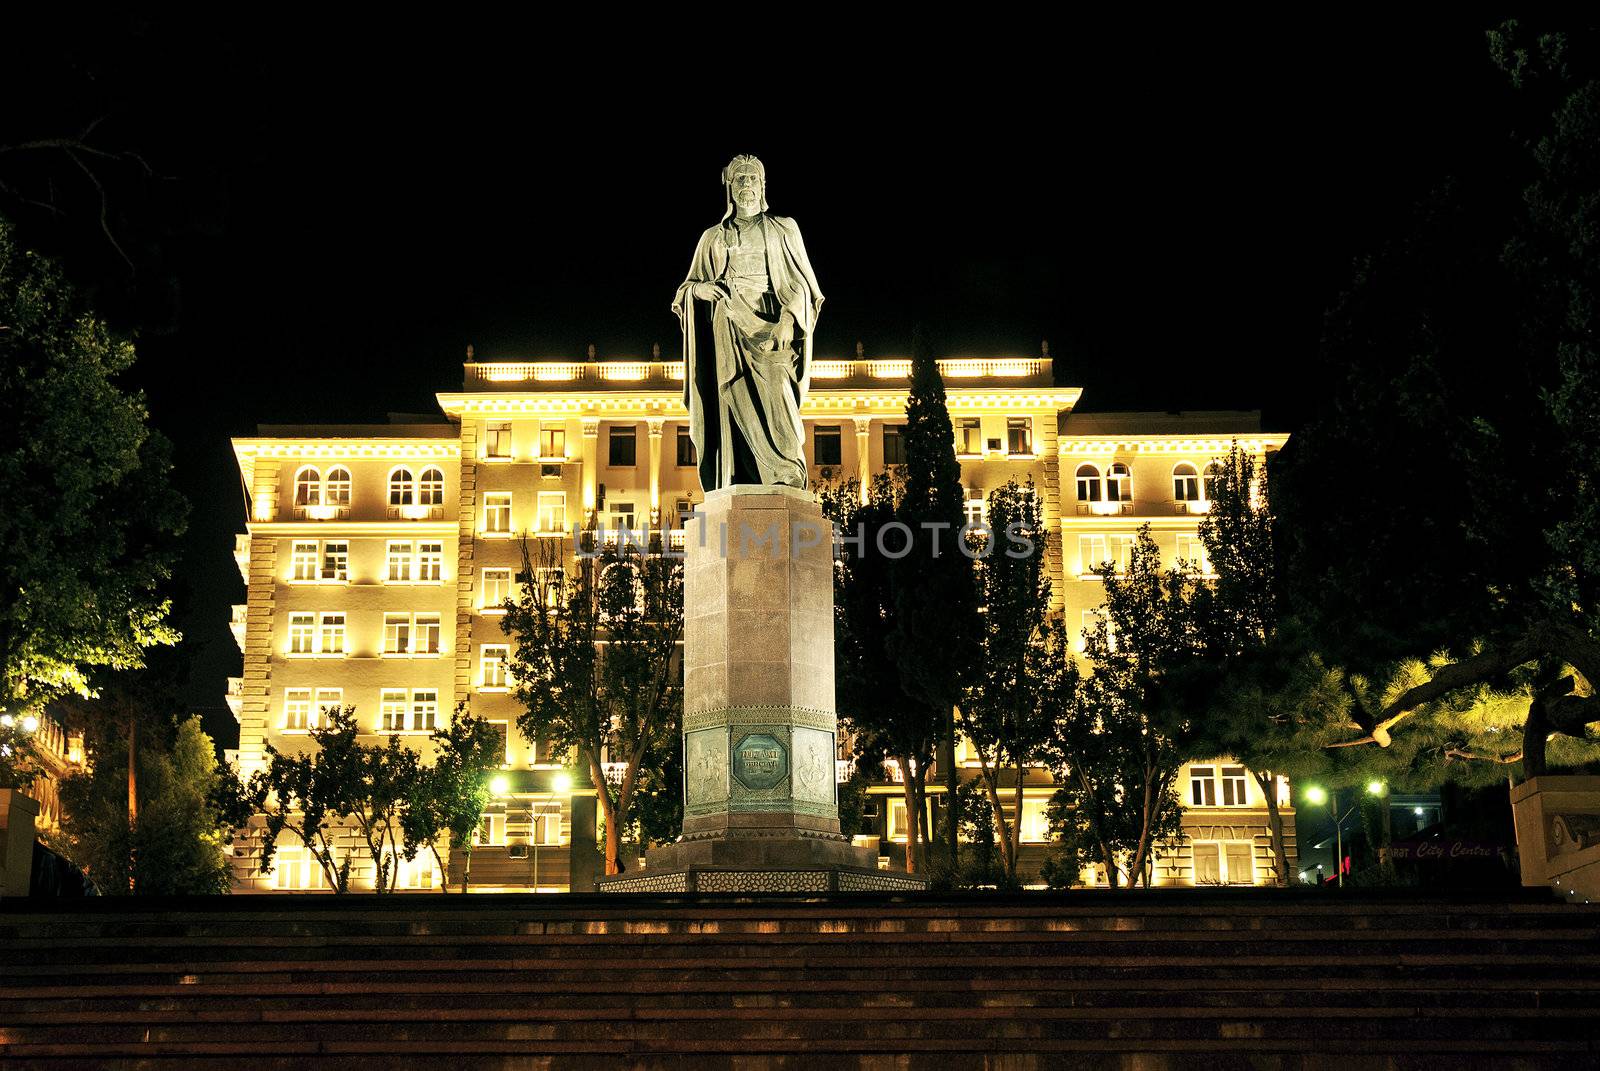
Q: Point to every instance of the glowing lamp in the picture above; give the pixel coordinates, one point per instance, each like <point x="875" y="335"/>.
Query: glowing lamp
<point x="1316" y="794"/>
<point x="1376" y="788"/>
<point x="562" y="782"/>
<point x="30" y="723"/>
<point x="500" y="785"/>
<point x="7" y="721"/>
<point x="1417" y="811"/>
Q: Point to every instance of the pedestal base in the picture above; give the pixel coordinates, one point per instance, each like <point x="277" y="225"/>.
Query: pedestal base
<point x="732" y="879"/>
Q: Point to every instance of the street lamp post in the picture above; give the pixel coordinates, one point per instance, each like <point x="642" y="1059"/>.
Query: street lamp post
<point x="1318" y="795"/>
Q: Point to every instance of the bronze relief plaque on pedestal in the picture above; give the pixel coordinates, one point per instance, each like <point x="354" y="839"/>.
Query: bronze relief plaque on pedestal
<point x="760" y="762"/>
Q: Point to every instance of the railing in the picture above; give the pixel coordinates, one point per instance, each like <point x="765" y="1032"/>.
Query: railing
<point x="321" y="513"/>
<point x="668" y="375"/>
<point x="416" y="513"/>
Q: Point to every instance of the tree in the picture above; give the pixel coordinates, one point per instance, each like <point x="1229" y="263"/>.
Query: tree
<point x="178" y="843"/>
<point x="89" y="519"/>
<point x="883" y="720"/>
<point x="595" y="663"/>
<point x="448" y="797"/>
<point x="1006" y="713"/>
<point x="1500" y="611"/>
<point x="934" y="637"/>
<point x="313" y="795"/>
<point x="1119" y="741"/>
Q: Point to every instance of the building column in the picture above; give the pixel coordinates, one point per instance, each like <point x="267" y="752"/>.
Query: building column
<point x="591" y="464"/>
<point x="863" y="451"/>
<point x="657" y="424"/>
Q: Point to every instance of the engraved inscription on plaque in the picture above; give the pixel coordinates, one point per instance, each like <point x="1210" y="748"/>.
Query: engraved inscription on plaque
<point x="813" y="765"/>
<point x="706" y="761"/>
<point x="760" y="761"/>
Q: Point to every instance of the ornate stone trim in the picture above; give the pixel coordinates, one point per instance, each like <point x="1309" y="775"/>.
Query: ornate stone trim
<point x="804" y="717"/>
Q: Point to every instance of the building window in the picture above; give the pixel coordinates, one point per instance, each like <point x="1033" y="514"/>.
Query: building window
<point x="976" y="508"/>
<point x="430" y="562"/>
<point x="1192" y="549"/>
<point x="296" y="709"/>
<point x="402" y="488"/>
<point x="332" y="634"/>
<point x="302" y="634"/>
<point x="969" y="436"/>
<point x="303" y="561"/>
<point x="827" y="444"/>
<point x="400" y="563"/>
<point x="425" y="634"/>
<point x="546" y="818"/>
<point x="552" y="511"/>
<point x="294" y="867"/>
<point x="497" y="441"/>
<point x="894" y="444"/>
<point x="1224" y="863"/>
<point x="1234" y="789"/>
<point x="496" y="588"/>
<point x="308" y="487"/>
<point x="1202" y="786"/>
<point x="1093" y="553"/>
<point x="622" y="516"/>
<point x="1119" y="483"/>
<point x="1035" y="821"/>
<point x="551" y="582"/>
<point x="1088" y="483"/>
<point x="430" y="491"/>
<point x="621" y="446"/>
<point x="392" y="710"/>
<point x="1185" y="483"/>
<point x="685" y="447"/>
<point x="503" y="731"/>
<point x="1092" y="622"/>
<point x="396" y="634"/>
<point x="492" y="666"/>
<point x="552" y="441"/>
<point x="491" y="831"/>
<point x="336" y="561"/>
<point x="424" y="710"/>
<point x="1211" y="480"/>
<point x="1019" y="435"/>
<point x="1120" y="547"/>
<point x="328" y="700"/>
<point x="336" y="487"/>
<point x="497" y="513"/>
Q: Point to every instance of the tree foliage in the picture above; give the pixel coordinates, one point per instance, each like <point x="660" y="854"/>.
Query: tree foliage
<point x="1008" y="711"/>
<point x="445" y="803"/>
<point x="177" y="845"/>
<point x="1466" y="577"/>
<point x="1119" y="742"/>
<point x="595" y="664"/>
<point x="89" y="520"/>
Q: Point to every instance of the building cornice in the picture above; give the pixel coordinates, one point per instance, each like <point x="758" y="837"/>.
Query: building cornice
<point x="334" y="529"/>
<point x="1210" y="445"/>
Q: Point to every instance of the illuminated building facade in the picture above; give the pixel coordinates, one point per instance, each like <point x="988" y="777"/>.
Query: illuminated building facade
<point x="376" y="556"/>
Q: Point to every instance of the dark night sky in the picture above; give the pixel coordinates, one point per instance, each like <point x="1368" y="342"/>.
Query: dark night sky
<point x="342" y="209"/>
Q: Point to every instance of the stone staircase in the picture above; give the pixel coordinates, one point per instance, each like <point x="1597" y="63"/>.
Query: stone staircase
<point x="1166" y="978"/>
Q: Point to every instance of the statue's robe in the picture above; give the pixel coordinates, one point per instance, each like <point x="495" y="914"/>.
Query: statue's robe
<point x="744" y="396"/>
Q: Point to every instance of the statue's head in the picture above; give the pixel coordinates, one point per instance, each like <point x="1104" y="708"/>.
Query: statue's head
<point x="746" y="183"/>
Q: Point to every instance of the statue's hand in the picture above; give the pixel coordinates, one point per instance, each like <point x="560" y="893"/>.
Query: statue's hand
<point x="707" y="292"/>
<point x="783" y="334"/>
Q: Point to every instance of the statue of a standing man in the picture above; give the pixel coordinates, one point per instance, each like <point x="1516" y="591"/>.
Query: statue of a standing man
<point x="749" y="310"/>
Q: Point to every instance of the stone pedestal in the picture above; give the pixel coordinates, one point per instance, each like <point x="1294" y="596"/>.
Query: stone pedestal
<point x="1558" y="833"/>
<point x="17" y="816"/>
<point x="760" y="799"/>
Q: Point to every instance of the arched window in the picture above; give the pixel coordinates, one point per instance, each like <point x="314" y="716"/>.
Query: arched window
<point x="1185" y="483"/>
<point x="308" y="487"/>
<point x="430" y="490"/>
<point x="1213" y="478"/>
<point x="336" y="487"/>
<point x="1088" y="483"/>
<point x="619" y="589"/>
<point x="1119" y="483"/>
<point x="402" y="488"/>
